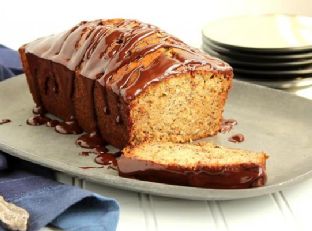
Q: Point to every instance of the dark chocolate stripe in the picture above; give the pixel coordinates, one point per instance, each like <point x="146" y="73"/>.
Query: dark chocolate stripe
<point x="245" y="175"/>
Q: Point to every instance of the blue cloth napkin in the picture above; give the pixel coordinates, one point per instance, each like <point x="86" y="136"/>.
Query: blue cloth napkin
<point x="10" y="64"/>
<point x="33" y="188"/>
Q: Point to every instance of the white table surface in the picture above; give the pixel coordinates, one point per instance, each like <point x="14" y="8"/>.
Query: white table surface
<point x="23" y="21"/>
<point x="284" y="210"/>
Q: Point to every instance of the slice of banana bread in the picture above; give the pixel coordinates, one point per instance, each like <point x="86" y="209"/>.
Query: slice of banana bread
<point x="200" y="165"/>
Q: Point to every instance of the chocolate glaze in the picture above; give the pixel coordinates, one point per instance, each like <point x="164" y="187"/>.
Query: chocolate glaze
<point x="52" y="123"/>
<point x="106" y="159"/>
<point x="103" y="157"/>
<point x="66" y="48"/>
<point x="76" y="44"/>
<point x="104" y="46"/>
<point x="240" y="176"/>
<point x="68" y="127"/>
<point x="85" y="153"/>
<point x="227" y="125"/>
<point x="37" y="120"/>
<point x="38" y="110"/>
<point x="4" y="121"/>
<point x="164" y="65"/>
<point x="90" y="140"/>
<point x="237" y="138"/>
<point x="65" y="127"/>
<point x="100" y="150"/>
<point x="85" y="167"/>
<point x="94" y="141"/>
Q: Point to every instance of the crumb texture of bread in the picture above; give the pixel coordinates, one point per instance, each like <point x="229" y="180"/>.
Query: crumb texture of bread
<point x="194" y="156"/>
<point x="180" y="109"/>
<point x="129" y="81"/>
<point x="202" y="165"/>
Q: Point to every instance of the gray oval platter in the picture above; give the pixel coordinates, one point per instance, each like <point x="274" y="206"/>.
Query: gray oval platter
<point x="276" y="122"/>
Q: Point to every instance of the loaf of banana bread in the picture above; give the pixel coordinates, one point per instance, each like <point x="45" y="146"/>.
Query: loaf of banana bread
<point x="129" y="81"/>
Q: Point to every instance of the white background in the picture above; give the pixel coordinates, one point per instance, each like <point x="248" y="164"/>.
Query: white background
<point x="25" y="20"/>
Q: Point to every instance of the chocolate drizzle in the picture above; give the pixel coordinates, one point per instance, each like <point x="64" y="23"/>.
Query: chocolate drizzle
<point x="86" y="167"/>
<point x="38" y="110"/>
<point x="52" y="123"/>
<point x="97" y="147"/>
<point x="107" y="159"/>
<point x="4" y="121"/>
<point x="237" y="138"/>
<point x="37" y="120"/>
<point x="160" y="67"/>
<point x="105" y="46"/>
<point x="164" y="65"/>
<point x="240" y="176"/>
<point x="103" y="157"/>
<point x="68" y="127"/>
<point x="90" y="140"/>
<point x="227" y="125"/>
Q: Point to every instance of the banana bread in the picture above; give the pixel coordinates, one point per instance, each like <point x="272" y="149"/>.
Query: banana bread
<point x="200" y="165"/>
<point x="129" y="81"/>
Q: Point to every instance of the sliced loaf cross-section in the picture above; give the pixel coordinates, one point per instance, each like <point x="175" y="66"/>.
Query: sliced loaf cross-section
<point x="200" y="165"/>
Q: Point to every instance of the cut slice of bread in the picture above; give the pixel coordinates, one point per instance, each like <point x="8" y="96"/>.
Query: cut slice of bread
<point x="200" y="165"/>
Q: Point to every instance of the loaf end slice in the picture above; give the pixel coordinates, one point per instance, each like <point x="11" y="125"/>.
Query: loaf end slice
<point x="198" y="165"/>
<point x="32" y="82"/>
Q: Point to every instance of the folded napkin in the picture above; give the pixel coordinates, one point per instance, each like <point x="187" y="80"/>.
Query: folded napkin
<point x="33" y="188"/>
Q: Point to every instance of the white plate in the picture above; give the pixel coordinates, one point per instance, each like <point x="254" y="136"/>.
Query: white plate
<point x="273" y="121"/>
<point x="261" y="31"/>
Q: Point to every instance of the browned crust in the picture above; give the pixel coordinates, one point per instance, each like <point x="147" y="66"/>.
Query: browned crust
<point x="85" y="113"/>
<point x="61" y="101"/>
<point x="32" y="84"/>
<point x="114" y="132"/>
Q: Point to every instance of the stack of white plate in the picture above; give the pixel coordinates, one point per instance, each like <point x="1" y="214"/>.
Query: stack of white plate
<point x="271" y="50"/>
